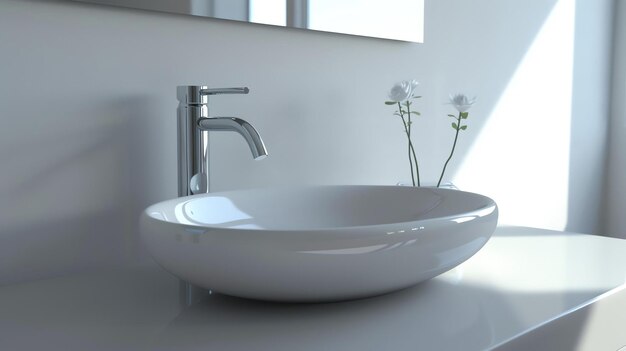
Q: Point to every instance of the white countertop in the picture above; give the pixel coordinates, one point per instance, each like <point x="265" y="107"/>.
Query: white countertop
<point x="523" y="282"/>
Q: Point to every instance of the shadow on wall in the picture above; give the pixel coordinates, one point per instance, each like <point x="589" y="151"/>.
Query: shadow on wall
<point x="72" y="198"/>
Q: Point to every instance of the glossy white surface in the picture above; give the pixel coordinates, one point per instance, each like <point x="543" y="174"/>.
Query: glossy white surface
<point x="527" y="289"/>
<point x="322" y="243"/>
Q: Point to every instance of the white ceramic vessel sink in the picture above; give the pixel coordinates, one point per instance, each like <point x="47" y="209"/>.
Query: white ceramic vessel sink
<point x="322" y="243"/>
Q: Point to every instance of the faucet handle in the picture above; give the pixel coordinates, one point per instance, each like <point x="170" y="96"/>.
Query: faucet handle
<point x="199" y="94"/>
<point x="217" y="91"/>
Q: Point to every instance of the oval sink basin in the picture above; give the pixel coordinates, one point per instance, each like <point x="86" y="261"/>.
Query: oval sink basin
<point x="318" y="243"/>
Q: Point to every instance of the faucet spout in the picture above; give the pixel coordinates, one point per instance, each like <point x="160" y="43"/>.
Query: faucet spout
<point x="234" y="124"/>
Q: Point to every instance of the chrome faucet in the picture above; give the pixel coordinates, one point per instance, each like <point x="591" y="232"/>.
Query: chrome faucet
<point x="194" y="125"/>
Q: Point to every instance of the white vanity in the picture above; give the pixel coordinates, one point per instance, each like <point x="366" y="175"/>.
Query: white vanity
<point x="527" y="289"/>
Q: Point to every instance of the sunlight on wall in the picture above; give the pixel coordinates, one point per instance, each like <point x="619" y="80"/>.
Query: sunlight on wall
<point x="521" y="155"/>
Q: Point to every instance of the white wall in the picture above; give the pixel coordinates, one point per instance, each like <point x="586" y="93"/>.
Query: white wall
<point x="616" y="185"/>
<point x="87" y="104"/>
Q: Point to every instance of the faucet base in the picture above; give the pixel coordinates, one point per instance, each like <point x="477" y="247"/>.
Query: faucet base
<point x="189" y="294"/>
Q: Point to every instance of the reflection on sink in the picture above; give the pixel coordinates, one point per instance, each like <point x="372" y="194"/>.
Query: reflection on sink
<point x="310" y="244"/>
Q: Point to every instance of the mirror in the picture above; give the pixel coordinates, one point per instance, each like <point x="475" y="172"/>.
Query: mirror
<point x="389" y="19"/>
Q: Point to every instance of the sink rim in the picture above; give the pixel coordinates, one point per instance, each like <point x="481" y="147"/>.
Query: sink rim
<point x="488" y="207"/>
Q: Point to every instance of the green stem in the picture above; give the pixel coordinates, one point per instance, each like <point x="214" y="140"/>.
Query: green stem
<point x="407" y="130"/>
<point x="456" y="137"/>
<point x="411" y="149"/>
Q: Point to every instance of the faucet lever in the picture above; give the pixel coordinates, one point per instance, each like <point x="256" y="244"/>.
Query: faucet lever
<point x="217" y="91"/>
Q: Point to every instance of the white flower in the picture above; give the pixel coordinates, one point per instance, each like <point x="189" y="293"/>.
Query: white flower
<point x="461" y="102"/>
<point x="403" y="91"/>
